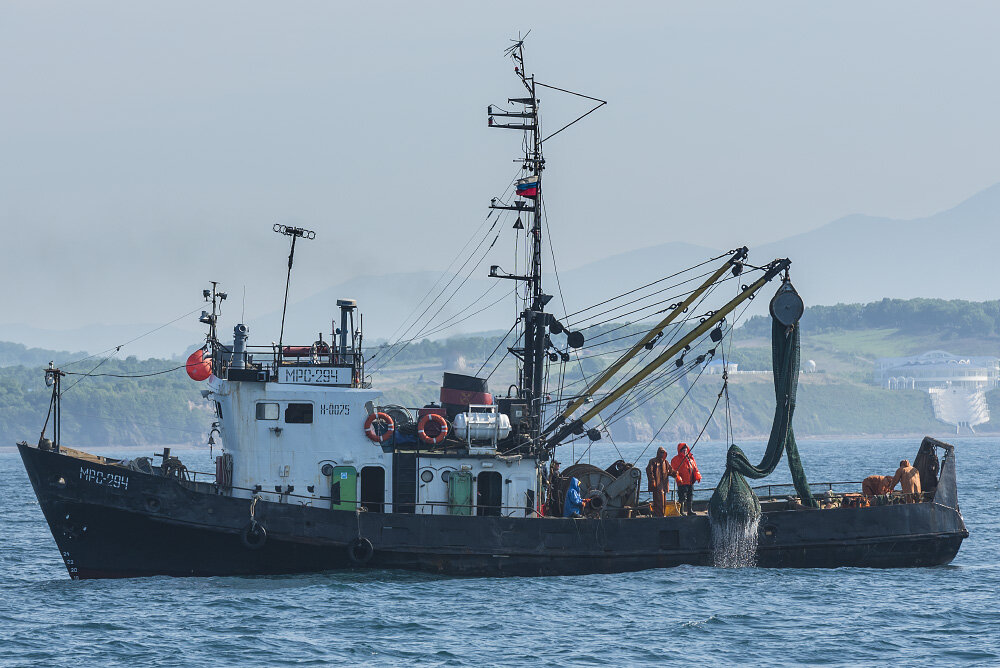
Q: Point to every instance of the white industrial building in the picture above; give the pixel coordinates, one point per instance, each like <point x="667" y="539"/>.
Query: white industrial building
<point x="957" y="384"/>
<point x="938" y="369"/>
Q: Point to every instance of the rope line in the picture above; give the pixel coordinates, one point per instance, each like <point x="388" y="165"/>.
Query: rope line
<point x="122" y="345"/>
<point x="117" y="375"/>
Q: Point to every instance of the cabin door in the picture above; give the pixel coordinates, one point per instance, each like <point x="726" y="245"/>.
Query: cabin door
<point x="489" y="493"/>
<point x="373" y="488"/>
<point x="272" y="463"/>
<point x="460" y="493"/>
<point x="344" y="488"/>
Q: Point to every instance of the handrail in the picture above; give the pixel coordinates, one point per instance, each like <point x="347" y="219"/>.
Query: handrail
<point x="641" y="493"/>
<point x="361" y="502"/>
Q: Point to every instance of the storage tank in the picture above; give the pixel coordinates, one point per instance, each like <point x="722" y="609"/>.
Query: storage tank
<point x="471" y="427"/>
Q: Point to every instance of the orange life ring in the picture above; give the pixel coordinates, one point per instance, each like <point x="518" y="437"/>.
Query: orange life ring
<point x="372" y="433"/>
<point x="441" y="428"/>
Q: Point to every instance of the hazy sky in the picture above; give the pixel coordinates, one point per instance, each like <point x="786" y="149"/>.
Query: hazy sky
<point x="148" y="148"/>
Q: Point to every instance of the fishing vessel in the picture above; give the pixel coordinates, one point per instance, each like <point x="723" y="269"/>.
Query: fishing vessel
<point x="319" y="471"/>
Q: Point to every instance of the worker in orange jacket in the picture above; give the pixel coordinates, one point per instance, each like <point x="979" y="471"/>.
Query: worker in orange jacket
<point x="687" y="475"/>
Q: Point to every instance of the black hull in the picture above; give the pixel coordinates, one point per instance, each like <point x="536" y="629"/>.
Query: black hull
<point x="158" y="526"/>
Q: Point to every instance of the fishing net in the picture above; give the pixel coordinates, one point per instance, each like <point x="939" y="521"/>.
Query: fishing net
<point x="734" y="503"/>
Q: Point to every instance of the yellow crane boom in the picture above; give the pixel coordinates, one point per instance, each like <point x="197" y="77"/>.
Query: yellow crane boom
<point x="773" y="270"/>
<point x="607" y="374"/>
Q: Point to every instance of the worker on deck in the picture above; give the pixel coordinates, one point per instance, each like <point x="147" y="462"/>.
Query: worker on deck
<point x="658" y="474"/>
<point x="876" y="485"/>
<point x="553" y="506"/>
<point x="573" y="505"/>
<point x="908" y="479"/>
<point x="687" y="475"/>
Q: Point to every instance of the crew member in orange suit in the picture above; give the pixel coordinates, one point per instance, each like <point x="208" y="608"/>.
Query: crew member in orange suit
<point x="687" y="475"/>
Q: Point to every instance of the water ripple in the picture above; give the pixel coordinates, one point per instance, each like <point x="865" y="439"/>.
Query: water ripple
<point x="690" y="614"/>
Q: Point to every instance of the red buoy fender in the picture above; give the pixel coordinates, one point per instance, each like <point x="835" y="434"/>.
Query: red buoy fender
<point x="198" y="366"/>
<point x="432" y="428"/>
<point x="386" y="426"/>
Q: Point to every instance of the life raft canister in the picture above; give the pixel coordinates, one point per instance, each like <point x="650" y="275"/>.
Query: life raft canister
<point x="379" y="427"/>
<point x="432" y="428"/>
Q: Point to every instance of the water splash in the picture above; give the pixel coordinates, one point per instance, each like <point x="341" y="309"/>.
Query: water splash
<point x="734" y="542"/>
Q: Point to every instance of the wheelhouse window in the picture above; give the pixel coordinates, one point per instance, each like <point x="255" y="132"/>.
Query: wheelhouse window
<point x="299" y="414"/>
<point x="267" y="411"/>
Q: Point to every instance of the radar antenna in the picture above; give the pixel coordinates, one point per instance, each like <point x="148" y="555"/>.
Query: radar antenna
<point x="294" y="233"/>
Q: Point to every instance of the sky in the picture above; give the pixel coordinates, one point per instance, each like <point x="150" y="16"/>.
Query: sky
<point x="148" y="148"/>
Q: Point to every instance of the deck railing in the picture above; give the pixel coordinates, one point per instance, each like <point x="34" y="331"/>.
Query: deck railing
<point x="443" y="507"/>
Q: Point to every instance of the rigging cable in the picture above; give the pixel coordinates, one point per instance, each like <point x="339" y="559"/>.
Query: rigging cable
<point x="643" y="287"/>
<point x="455" y="258"/>
<point x="648" y="391"/>
<point x="433" y="301"/>
<point x="710" y="415"/>
<point x="499" y="343"/>
<point x="555" y="270"/>
<point x="648" y="306"/>
<point x="461" y="315"/>
<point x="445" y="272"/>
<point x="612" y="309"/>
<point x="122" y="345"/>
<point x="117" y="375"/>
<point x="96" y="367"/>
<point x="675" y="330"/>
<point x="725" y="388"/>
<point x="653" y="386"/>
<point x="676" y="408"/>
<point x="422" y="331"/>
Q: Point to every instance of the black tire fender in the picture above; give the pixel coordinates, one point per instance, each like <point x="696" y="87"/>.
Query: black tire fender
<point x="254" y="536"/>
<point x="360" y="551"/>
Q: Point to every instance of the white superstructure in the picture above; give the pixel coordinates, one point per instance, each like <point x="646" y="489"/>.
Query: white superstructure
<point x="293" y="430"/>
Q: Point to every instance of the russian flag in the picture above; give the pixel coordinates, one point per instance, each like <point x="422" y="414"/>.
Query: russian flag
<point x="527" y="187"/>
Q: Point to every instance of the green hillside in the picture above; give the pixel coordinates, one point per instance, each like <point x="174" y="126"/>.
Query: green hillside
<point x="16" y="354"/>
<point x="843" y="340"/>
<point x="102" y="410"/>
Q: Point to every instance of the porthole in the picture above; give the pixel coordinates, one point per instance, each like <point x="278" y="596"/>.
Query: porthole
<point x="445" y="475"/>
<point x="427" y="475"/>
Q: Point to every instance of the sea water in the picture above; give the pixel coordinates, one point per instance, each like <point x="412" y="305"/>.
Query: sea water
<point x="688" y="615"/>
<point x="734" y="543"/>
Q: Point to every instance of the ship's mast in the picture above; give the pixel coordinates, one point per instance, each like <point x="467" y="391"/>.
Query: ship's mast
<point x="532" y="352"/>
<point x="537" y="323"/>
